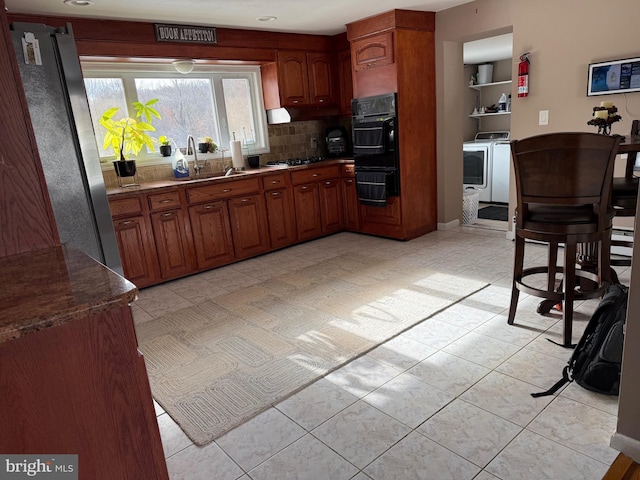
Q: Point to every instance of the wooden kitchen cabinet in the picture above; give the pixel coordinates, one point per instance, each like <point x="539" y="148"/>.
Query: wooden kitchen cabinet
<point x="345" y="82"/>
<point x="331" y="205"/>
<point x="211" y="234"/>
<point x="135" y="241"/>
<point x="248" y="226"/>
<point x="317" y="200"/>
<point x="280" y="212"/>
<point x="299" y="78"/>
<point x="173" y="245"/>
<point x="373" y="51"/>
<point x="350" y="203"/>
<point x="307" y="205"/>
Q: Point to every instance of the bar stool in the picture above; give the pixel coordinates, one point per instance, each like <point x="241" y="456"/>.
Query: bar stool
<point x="563" y="186"/>
<point x="624" y="196"/>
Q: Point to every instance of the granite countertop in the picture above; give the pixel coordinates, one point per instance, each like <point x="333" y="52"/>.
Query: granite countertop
<point x="176" y="183"/>
<point x="50" y="287"/>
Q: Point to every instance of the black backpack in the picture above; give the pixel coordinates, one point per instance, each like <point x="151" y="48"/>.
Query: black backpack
<point x="596" y="361"/>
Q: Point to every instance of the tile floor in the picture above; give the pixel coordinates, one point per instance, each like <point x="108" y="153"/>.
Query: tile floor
<point x="447" y="399"/>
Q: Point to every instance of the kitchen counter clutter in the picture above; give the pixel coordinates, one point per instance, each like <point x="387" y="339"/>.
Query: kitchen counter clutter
<point x="169" y="229"/>
<point x="70" y="369"/>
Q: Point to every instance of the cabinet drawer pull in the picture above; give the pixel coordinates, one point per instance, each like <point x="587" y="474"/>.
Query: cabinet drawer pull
<point x="168" y="200"/>
<point x="226" y="190"/>
<point x="328" y="182"/>
<point x="275" y="182"/>
<point x="207" y="207"/>
<point x="276" y="194"/>
<point x="168" y="214"/>
<point x="305" y="188"/>
<point x="244" y="200"/>
<point x="349" y="182"/>
<point x="126" y="222"/>
<point x="315" y="175"/>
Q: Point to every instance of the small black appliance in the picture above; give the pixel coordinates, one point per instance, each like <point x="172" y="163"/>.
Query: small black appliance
<point x="336" y="140"/>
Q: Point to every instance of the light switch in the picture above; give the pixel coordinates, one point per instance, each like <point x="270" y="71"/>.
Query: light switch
<point x="543" y="117"/>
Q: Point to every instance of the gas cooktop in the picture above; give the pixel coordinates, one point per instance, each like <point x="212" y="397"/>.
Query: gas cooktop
<point x="292" y="162"/>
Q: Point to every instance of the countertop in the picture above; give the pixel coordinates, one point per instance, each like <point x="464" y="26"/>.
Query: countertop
<point x="50" y="287"/>
<point x="163" y="184"/>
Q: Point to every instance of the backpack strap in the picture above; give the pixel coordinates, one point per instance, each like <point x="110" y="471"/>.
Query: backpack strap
<point x="563" y="381"/>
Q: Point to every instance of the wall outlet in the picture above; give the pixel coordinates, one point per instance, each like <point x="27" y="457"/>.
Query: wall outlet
<point x="314" y="142"/>
<point x="543" y="117"/>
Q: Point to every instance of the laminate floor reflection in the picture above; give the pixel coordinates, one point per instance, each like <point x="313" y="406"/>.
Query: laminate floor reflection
<point x="447" y="399"/>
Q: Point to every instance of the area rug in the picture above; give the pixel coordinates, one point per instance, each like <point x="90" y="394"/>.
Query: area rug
<point x="215" y="365"/>
<point x="494" y="212"/>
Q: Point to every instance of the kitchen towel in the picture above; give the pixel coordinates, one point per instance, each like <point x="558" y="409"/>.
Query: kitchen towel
<point x="372" y="188"/>
<point x="368" y="138"/>
<point x="236" y="154"/>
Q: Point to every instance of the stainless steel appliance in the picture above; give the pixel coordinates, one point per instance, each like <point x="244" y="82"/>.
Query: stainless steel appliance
<point x="54" y="87"/>
<point x="484" y="172"/>
<point x="375" y="147"/>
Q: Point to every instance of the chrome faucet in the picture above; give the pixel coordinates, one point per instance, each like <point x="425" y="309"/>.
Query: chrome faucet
<point x="191" y="144"/>
<point x="227" y="169"/>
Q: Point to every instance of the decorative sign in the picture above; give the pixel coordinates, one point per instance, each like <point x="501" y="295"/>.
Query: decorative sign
<point x="185" y="34"/>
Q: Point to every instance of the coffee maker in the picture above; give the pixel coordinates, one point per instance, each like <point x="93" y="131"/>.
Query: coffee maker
<point x="336" y="141"/>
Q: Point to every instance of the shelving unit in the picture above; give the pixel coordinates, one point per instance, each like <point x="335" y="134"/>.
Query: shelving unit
<point x="478" y="88"/>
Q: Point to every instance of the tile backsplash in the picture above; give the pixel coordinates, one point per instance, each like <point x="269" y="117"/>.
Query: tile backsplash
<point x="287" y="140"/>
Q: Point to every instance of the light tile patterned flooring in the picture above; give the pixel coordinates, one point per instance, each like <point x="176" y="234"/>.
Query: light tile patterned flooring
<point x="447" y="399"/>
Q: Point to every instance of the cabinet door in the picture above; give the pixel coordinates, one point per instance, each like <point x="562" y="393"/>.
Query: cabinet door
<point x="307" y="205"/>
<point x="137" y="250"/>
<point x="331" y="205"/>
<point x="372" y="52"/>
<point x="211" y="234"/>
<point x="293" y="78"/>
<point x="320" y="70"/>
<point x="175" y="252"/>
<point x="350" y="206"/>
<point x="248" y="226"/>
<point x="281" y="217"/>
<point x="345" y="81"/>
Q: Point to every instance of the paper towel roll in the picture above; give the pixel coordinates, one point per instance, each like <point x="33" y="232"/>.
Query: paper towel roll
<point x="236" y="154"/>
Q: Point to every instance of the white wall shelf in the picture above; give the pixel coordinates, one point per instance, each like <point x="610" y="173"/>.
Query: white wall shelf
<point x="482" y="85"/>
<point x="489" y="114"/>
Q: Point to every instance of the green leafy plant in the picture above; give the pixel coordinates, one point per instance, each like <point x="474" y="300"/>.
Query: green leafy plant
<point x="129" y="135"/>
<point x="164" y="140"/>
<point x="212" y="145"/>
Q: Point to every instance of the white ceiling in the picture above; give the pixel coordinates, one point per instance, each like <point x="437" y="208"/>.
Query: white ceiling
<point x="320" y="17"/>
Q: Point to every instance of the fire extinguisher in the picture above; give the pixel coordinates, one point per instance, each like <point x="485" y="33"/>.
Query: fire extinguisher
<point x="523" y="76"/>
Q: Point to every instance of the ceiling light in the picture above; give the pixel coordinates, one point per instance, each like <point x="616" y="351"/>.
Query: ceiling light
<point x="183" y="66"/>
<point x="267" y="18"/>
<point x="78" y="3"/>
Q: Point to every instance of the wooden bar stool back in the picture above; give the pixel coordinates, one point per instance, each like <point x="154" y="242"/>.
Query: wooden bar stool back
<point x="563" y="186"/>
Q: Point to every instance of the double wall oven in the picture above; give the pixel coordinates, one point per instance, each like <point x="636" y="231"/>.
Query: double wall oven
<point x="375" y="148"/>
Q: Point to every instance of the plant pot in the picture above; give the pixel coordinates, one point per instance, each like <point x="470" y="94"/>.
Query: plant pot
<point x="254" y="161"/>
<point x="125" y="168"/>
<point x="203" y="147"/>
<point x="165" y="150"/>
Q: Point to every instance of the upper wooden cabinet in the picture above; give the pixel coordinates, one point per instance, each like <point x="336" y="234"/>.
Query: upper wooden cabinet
<point x="299" y="79"/>
<point x="345" y="82"/>
<point x="373" y="51"/>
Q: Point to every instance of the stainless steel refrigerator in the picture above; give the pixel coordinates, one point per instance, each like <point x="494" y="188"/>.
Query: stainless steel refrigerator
<point x="59" y="111"/>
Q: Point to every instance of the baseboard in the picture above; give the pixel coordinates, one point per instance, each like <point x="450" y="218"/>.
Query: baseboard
<point x="627" y="445"/>
<point x="449" y="225"/>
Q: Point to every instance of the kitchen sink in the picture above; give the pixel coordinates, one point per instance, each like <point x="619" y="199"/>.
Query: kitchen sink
<point x="208" y="176"/>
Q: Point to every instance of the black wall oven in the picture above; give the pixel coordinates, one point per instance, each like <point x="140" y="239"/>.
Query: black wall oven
<point x="375" y="148"/>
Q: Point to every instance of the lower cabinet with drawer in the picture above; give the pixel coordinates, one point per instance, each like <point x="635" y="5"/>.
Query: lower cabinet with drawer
<point x="211" y="234"/>
<point x="350" y="204"/>
<point x="135" y="241"/>
<point x="317" y="200"/>
<point x="174" y="246"/>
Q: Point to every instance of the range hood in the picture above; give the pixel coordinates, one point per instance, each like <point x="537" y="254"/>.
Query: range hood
<point x="293" y="114"/>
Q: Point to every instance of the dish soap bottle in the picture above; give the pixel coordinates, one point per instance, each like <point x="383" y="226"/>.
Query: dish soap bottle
<point x="502" y="103"/>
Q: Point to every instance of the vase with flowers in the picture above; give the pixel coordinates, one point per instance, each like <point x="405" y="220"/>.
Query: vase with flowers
<point x="604" y="116"/>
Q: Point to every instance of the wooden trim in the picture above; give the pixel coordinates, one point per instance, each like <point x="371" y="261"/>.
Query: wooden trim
<point x="623" y="468"/>
<point x="125" y="38"/>
<point x="392" y="20"/>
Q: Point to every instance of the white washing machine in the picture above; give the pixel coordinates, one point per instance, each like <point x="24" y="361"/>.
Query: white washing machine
<point x="478" y="166"/>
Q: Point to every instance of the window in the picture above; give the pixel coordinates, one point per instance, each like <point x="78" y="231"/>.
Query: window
<point x="224" y="103"/>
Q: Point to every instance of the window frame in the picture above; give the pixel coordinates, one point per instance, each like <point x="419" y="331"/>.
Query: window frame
<point x="129" y="71"/>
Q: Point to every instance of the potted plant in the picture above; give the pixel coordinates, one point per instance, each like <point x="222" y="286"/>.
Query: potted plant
<point x="165" y="145"/>
<point x="207" y="145"/>
<point x="129" y="135"/>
